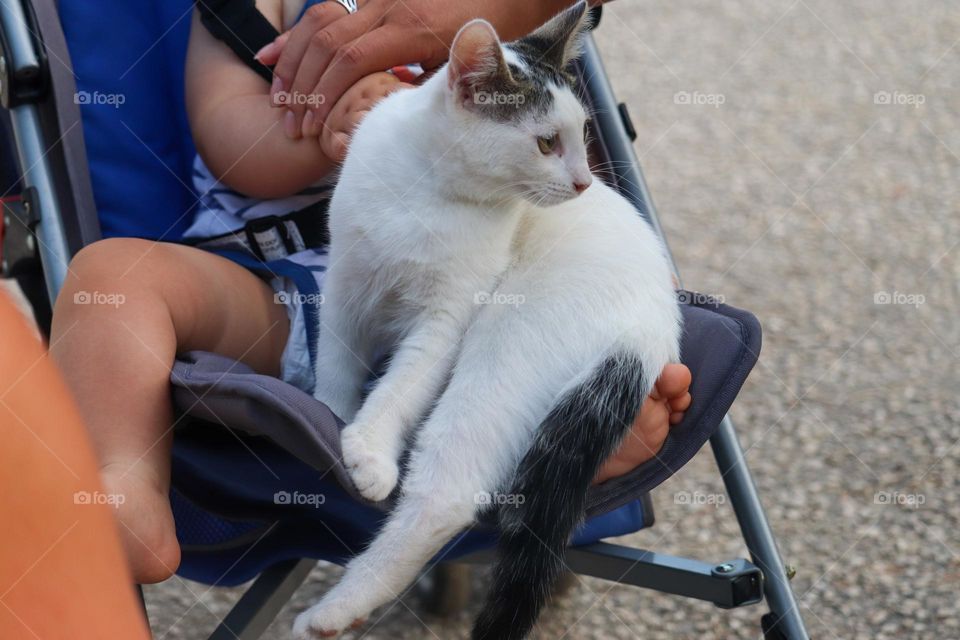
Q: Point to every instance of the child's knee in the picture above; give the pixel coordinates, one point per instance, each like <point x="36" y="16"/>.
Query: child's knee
<point x="112" y="258"/>
<point x="106" y="273"/>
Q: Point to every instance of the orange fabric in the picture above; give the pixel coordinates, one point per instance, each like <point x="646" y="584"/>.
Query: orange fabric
<point x="62" y="572"/>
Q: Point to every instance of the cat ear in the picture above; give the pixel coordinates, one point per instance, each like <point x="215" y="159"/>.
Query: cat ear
<point x="476" y="60"/>
<point x="560" y="39"/>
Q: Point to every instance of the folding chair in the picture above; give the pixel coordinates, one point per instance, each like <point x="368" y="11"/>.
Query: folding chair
<point x="92" y="169"/>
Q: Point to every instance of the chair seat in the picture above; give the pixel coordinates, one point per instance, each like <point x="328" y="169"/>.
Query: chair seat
<point x="258" y="479"/>
<point x="232" y="522"/>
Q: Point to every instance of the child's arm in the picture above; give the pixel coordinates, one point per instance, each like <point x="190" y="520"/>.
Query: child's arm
<point x="236" y="131"/>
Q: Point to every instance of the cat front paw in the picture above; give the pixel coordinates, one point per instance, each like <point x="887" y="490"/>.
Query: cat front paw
<point x="324" y="620"/>
<point x="374" y="472"/>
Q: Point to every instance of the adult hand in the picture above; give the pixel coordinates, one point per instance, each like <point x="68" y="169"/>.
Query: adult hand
<point x="329" y="50"/>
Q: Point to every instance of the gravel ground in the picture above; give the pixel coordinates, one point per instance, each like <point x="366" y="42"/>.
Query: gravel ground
<point x="803" y="155"/>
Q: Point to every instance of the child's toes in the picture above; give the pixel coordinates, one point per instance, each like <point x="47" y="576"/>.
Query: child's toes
<point x="673" y="388"/>
<point x="680" y="403"/>
<point x="674" y="381"/>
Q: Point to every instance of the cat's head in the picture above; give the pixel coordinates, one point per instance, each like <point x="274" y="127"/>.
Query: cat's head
<point x="524" y="124"/>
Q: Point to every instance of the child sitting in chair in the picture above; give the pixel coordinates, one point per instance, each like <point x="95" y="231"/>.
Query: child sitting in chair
<point x="253" y="162"/>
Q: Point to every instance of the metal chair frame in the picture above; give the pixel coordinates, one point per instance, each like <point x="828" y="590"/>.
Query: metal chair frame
<point x="57" y="191"/>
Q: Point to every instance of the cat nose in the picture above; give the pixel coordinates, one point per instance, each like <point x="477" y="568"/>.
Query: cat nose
<point x="580" y="187"/>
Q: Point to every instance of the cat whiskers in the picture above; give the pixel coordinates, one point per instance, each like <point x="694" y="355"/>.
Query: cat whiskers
<point x="608" y="171"/>
<point x="511" y="185"/>
<point x="528" y="190"/>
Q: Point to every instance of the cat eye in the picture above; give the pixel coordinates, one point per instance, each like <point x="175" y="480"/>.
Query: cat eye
<point x="547" y="144"/>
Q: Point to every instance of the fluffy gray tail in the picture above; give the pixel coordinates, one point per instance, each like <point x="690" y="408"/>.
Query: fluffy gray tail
<point x="581" y="431"/>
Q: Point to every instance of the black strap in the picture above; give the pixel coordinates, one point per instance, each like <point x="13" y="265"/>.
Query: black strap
<point x="241" y="27"/>
<point x="275" y="237"/>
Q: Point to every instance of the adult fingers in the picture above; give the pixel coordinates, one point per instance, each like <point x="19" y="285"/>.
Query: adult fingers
<point x="269" y="54"/>
<point x="319" y="55"/>
<point x="380" y="49"/>
<point x="290" y="55"/>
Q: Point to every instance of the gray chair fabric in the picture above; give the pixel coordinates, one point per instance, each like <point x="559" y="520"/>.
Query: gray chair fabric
<point x="720" y="345"/>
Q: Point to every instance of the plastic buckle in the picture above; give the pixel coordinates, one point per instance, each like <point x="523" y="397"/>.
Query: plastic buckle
<point x="263" y="225"/>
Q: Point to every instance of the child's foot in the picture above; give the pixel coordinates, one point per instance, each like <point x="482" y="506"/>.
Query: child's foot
<point x="145" y="522"/>
<point x="665" y="407"/>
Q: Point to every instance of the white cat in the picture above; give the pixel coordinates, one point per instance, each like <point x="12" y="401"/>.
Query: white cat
<point x="545" y="380"/>
<point x="422" y="221"/>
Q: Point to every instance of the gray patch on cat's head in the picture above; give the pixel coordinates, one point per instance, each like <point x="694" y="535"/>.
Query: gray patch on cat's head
<point x="524" y="86"/>
<point x="515" y="95"/>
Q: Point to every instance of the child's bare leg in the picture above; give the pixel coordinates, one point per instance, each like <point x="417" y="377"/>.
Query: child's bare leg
<point x="127" y="308"/>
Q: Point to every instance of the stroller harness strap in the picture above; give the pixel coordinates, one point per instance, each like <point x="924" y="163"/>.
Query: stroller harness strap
<point x="242" y="27"/>
<point x="275" y="237"/>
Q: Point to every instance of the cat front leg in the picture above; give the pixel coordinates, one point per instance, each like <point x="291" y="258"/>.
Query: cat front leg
<point x="372" y="444"/>
<point x="340" y="373"/>
<point x="343" y="356"/>
<point x="415" y="532"/>
<point x="439" y="500"/>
